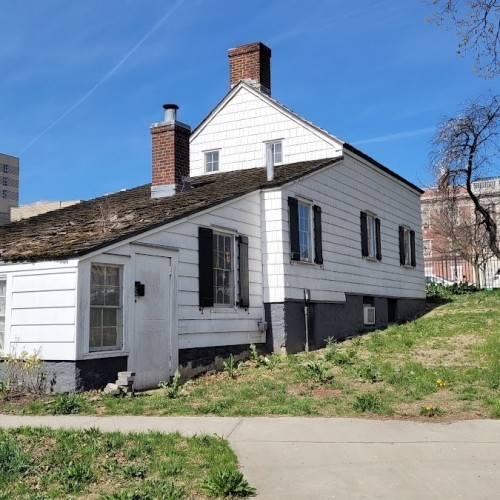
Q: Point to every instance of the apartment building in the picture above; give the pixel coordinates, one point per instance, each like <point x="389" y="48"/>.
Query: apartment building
<point x="9" y="177"/>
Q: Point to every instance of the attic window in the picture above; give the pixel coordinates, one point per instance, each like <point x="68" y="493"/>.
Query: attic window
<point x="275" y="149"/>
<point x="212" y="161"/>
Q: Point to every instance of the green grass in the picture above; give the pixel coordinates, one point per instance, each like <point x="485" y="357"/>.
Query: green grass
<point x="38" y="463"/>
<point x="448" y="359"/>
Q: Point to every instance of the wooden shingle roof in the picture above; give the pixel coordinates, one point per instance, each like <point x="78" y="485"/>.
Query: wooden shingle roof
<point x="80" y="229"/>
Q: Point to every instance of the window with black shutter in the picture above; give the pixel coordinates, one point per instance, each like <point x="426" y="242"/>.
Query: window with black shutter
<point x="218" y="270"/>
<point x="407" y="255"/>
<point x="371" y="243"/>
<point x="305" y="231"/>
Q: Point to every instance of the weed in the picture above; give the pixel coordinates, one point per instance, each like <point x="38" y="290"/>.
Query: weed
<point x="368" y="371"/>
<point x="75" y="475"/>
<point x="173" y="387"/>
<point x="343" y="358"/>
<point x="231" y="366"/>
<point x="67" y="404"/>
<point x="254" y="355"/>
<point x="431" y="411"/>
<point x="134" y="471"/>
<point x="367" y="403"/>
<point x="319" y="370"/>
<point x="227" y="483"/>
<point x="12" y="459"/>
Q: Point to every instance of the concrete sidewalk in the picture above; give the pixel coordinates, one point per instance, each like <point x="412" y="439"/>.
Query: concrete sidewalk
<point x="319" y="458"/>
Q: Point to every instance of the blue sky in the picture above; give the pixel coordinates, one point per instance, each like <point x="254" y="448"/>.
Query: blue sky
<point x="81" y="81"/>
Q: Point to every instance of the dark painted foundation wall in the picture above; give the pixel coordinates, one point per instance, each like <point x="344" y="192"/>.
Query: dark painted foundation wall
<point x="286" y="321"/>
<point x="72" y="376"/>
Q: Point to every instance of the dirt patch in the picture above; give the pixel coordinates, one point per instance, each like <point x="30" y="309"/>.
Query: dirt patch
<point x="326" y="393"/>
<point x="450" y="355"/>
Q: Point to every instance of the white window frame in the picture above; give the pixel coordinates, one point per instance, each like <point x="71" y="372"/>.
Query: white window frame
<point x="3" y="301"/>
<point x="407" y="246"/>
<point x="211" y="165"/>
<point x="232" y="270"/>
<point x="371" y="235"/>
<point x="118" y="308"/>
<point x="276" y="155"/>
<point x="305" y="233"/>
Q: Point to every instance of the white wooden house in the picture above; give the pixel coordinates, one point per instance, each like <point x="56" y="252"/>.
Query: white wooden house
<point x="258" y="227"/>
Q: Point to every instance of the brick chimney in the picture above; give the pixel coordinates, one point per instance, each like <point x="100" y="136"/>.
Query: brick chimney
<point x="170" y="154"/>
<point x="252" y="64"/>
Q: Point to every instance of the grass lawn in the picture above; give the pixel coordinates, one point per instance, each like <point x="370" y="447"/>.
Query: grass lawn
<point x="445" y="365"/>
<point x="41" y="463"/>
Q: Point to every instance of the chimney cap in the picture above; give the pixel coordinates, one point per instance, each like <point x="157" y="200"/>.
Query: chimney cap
<point x="170" y="106"/>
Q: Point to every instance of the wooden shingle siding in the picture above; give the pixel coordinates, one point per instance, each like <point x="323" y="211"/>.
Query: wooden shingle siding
<point x="242" y="126"/>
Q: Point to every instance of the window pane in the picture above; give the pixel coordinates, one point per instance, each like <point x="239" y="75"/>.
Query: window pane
<point x="109" y="317"/>
<point x="3" y="286"/>
<point x="278" y="157"/>
<point x="109" y="337"/>
<point x="97" y="296"/>
<point x="95" y="317"/>
<point x="113" y="276"/>
<point x="97" y="276"/>
<point x="112" y="296"/>
<point x="95" y="337"/>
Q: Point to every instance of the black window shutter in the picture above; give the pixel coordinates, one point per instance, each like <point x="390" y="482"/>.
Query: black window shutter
<point x="206" y="266"/>
<point x="318" y="244"/>
<point x="243" y="272"/>
<point x="413" y="254"/>
<point x="402" y="245"/>
<point x="293" y="205"/>
<point x="364" y="235"/>
<point x="379" y="241"/>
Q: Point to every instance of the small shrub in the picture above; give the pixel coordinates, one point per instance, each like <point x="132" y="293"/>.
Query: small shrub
<point x="367" y="403"/>
<point x="68" y="404"/>
<point x="437" y="292"/>
<point x="431" y="411"/>
<point x="231" y="366"/>
<point x="227" y="483"/>
<point x="368" y="371"/>
<point x="25" y="373"/>
<point x="344" y="358"/>
<point x="173" y="387"/>
<point x="319" y="370"/>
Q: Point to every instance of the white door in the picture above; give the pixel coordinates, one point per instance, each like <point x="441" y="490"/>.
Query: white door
<point x="150" y="355"/>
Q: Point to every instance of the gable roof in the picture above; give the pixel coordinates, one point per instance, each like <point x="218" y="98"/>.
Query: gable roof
<point x="308" y="124"/>
<point x="274" y="103"/>
<point x="91" y="225"/>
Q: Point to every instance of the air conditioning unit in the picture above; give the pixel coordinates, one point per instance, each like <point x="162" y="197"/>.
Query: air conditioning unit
<point x="369" y="315"/>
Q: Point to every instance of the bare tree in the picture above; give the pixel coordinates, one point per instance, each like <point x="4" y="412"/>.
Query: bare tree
<point x="458" y="231"/>
<point x="466" y="149"/>
<point x="477" y="23"/>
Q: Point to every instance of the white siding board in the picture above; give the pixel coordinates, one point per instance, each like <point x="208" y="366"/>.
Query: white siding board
<point x="43" y="333"/>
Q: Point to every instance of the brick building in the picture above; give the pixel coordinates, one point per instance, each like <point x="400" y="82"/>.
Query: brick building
<point x="455" y="245"/>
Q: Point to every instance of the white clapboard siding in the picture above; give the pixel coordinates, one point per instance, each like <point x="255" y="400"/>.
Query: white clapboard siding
<point x="41" y="309"/>
<point x="211" y="326"/>
<point x="240" y="129"/>
<point x="343" y="191"/>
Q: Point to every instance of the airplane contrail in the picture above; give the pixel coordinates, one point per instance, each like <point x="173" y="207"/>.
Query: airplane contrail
<point x="108" y="75"/>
